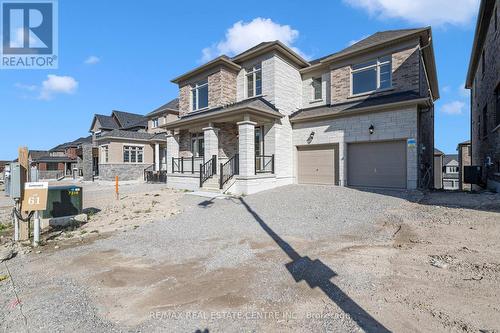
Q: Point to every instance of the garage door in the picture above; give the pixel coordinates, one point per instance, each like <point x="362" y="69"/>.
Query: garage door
<point x="316" y="165"/>
<point x="377" y="164"/>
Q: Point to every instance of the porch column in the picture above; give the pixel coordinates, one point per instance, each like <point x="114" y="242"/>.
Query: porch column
<point x="157" y="156"/>
<point x="172" y="149"/>
<point x="211" y="138"/>
<point x="246" y="134"/>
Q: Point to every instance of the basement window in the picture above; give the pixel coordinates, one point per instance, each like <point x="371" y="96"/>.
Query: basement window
<point x="371" y="76"/>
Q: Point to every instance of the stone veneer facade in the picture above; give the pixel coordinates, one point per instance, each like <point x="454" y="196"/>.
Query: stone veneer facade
<point x="221" y="89"/>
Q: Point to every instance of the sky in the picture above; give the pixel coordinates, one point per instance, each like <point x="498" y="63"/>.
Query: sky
<point x="121" y="55"/>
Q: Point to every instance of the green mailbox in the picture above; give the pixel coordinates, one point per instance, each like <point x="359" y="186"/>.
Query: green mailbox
<point x="63" y="201"/>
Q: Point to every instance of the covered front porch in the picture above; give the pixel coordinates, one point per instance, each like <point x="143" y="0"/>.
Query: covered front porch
<point x="231" y="151"/>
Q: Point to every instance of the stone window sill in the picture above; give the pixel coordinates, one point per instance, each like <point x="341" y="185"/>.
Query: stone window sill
<point x="314" y="101"/>
<point x="370" y="93"/>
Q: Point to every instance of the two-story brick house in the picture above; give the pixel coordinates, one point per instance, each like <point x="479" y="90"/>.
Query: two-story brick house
<point x="483" y="80"/>
<point x="267" y="117"/>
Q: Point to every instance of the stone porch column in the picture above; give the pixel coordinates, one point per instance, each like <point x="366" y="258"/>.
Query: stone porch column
<point x="157" y="156"/>
<point x="246" y="134"/>
<point x="211" y="138"/>
<point x="172" y="149"/>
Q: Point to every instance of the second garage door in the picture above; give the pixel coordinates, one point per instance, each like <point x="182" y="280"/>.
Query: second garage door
<point x="316" y="164"/>
<point x="377" y="164"/>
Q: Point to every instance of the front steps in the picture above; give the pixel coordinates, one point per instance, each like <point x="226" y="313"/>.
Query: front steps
<point x="212" y="185"/>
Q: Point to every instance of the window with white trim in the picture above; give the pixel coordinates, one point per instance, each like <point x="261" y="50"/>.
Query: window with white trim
<point x="105" y="154"/>
<point x="132" y="154"/>
<point x="154" y="123"/>
<point x="317" y="93"/>
<point x="371" y="75"/>
<point x="254" y="81"/>
<point x="199" y="94"/>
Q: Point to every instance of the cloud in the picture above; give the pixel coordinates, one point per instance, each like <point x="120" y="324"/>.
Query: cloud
<point x="92" y="60"/>
<point x="243" y="35"/>
<point x="453" y="108"/>
<point x="27" y="87"/>
<point x="446" y="89"/>
<point x="464" y="92"/>
<point x="354" y="41"/>
<point x="425" y="12"/>
<point x="57" y="85"/>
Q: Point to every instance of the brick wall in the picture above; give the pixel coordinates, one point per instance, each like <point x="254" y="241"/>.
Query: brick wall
<point x="464" y="159"/>
<point x="185" y="144"/>
<point x="483" y="95"/>
<point x="228" y="139"/>
<point x="405" y="76"/>
<point x="221" y="89"/>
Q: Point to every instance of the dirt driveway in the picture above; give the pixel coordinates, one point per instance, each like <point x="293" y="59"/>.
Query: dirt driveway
<point x="297" y="258"/>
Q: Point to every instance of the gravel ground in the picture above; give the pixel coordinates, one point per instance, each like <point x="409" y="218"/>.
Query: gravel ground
<point x="297" y="258"/>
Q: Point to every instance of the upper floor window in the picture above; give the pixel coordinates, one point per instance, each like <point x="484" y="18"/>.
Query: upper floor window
<point x="451" y="169"/>
<point x="132" y="154"/>
<point x="199" y="93"/>
<point x="317" y="89"/>
<point x="154" y="123"/>
<point x="371" y="75"/>
<point x="254" y="81"/>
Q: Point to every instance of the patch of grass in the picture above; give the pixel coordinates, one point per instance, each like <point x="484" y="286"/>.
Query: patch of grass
<point x="147" y="211"/>
<point x="94" y="231"/>
<point x="154" y="202"/>
<point x="83" y="232"/>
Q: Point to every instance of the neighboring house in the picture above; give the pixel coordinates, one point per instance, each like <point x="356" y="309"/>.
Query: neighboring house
<point x="483" y="79"/>
<point x="130" y="144"/>
<point x="360" y="117"/>
<point x="450" y="172"/>
<point x="464" y="159"/>
<point x="438" y="169"/>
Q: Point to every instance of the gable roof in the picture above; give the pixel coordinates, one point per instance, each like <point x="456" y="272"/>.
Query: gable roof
<point x="438" y="152"/>
<point x="482" y="25"/>
<point x="449" y="158"/>
<point x="106" y="122"/>
<point x="269" y="46"/>
<point x="126" y="119"/>
<point x="222" y="60"/>
<point x="172" y="105"/>
<point x="74" y="143"/>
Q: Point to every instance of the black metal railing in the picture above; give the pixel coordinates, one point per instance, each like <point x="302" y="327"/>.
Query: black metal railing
<point x="264" y="164"/>
<point x="228" y="170"/>
<point x="208" y="169"/>
<point x="186" y="164"/>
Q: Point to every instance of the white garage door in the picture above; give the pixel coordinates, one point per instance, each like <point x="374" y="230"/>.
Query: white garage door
<point x="377" y="164"/>
<point x="316" y="165"/>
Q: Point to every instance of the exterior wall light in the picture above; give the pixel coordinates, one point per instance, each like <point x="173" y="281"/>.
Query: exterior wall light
<point x="371" y="129"/>
<point x="311" y="137"/>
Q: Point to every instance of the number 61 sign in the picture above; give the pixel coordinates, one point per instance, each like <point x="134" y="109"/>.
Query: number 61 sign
<point x="35" y="196"/>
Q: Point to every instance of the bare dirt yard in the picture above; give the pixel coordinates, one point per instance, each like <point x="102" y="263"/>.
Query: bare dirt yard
<point x="296" y="258"/>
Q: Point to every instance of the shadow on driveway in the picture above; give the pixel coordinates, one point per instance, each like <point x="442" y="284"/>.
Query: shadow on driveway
<point x="316" y="274"/>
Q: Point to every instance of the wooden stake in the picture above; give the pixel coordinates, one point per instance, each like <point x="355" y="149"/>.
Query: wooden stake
<point x="116" y="188"/>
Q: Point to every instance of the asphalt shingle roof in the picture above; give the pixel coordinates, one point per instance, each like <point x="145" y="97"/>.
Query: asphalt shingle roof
<point x="450" y="157"/>
<point x="106" y="122"/>
<point x="340" y="108"/>
<point x="373" y="40"/>
<point x="171" y="105"/>
<point x="126" y="119"/>
<point x="132" y="135"/>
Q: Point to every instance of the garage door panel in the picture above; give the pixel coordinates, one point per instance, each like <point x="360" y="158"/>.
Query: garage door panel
<point x="377" y="164"/>
<point x="316" y="165"/>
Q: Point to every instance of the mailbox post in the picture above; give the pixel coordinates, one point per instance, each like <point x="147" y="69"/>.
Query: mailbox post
<point x="35" y="199"/>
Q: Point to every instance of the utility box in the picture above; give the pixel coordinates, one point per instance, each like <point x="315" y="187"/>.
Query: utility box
<point x="473" y="174"/>
<point x="16" y="181"/>
<point x="63" y="201"/>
